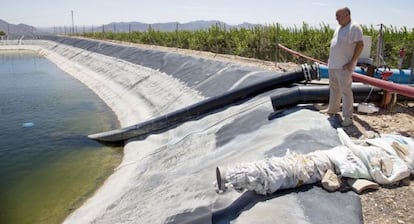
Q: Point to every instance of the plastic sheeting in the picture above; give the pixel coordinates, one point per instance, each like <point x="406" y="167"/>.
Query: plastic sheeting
<point x="167" y="178"/>
<point x="386" y="160"/>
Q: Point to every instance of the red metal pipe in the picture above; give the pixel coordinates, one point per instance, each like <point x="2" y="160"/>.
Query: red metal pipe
<point x="404" y="90"/>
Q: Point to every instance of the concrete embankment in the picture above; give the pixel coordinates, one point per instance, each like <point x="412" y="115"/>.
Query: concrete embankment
<point x="167" y="177"/>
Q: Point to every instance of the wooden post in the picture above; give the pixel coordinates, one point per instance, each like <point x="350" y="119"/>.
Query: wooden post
<point x="379" y="58"/>
<point x="129" y="31"/>
<point x="277" y="45"/>
<point x="410" y="81"/>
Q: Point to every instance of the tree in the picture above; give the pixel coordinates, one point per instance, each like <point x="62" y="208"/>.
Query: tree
<point x="2" y="33"/>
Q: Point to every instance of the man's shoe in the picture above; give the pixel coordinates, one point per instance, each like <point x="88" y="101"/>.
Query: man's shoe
<point x="347" y="122"/>
<point x="326" y="111"/>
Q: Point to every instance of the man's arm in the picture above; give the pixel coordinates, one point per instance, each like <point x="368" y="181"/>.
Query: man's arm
<point x="359" y="46"/>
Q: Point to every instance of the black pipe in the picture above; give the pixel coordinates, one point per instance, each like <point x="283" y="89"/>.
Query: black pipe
<point x="170" y="120"/>
<point x="320" y="94"/>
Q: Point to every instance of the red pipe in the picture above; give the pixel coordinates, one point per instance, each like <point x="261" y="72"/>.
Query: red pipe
<point x="404" y="90"/>
<point x="299" y="54"/>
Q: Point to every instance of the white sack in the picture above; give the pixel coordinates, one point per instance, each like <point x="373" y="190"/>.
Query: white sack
<point x="375" y="157"/>
<point x="394" y="141"/>
<point x="347" y="163"/>
<point x="380" y="161"/>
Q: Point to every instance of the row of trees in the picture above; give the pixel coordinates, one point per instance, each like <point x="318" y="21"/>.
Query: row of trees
<point x="260" y="41"/>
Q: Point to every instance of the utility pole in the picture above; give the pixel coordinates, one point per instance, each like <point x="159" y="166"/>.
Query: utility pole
<point x="73" y="24"/>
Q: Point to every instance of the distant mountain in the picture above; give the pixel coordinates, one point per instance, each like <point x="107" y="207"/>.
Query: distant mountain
<point x="13" y="30"/>
<point x="27" y="30"/>
<point x="170" y="26"/>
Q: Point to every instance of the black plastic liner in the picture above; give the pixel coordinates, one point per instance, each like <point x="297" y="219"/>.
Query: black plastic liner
<point x="197" y="110"/>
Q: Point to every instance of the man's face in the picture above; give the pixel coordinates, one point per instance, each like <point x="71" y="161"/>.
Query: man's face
<point x="342" y="17"/>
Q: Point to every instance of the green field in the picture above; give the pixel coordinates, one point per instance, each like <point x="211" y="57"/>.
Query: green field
<point x="260" y="41"/>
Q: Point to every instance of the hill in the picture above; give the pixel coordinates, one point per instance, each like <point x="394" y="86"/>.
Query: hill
<point x="27" y="30"/>
<point x="14" y="31"/>
<point x="169" y="26"/>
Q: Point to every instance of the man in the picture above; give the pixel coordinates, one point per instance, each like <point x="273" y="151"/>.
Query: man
<point x="346" y="47"/>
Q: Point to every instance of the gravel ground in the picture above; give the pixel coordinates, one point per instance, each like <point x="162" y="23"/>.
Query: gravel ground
<point x="389" y="204"/>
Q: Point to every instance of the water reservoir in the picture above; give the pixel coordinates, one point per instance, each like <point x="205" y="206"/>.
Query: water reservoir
<point x="48" y="167"/>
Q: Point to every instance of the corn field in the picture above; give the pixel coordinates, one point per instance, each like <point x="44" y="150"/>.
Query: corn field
<point x="260" y="41"/>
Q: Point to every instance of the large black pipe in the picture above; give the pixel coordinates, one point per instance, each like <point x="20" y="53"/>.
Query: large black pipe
<point x="170" y="120"/>
<point x="320" y="94"/>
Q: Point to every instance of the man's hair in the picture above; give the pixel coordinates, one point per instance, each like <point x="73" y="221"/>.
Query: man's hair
<point x="346" y="9"/>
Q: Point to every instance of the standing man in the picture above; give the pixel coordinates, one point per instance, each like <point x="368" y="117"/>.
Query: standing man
<point x="346" y="47"/>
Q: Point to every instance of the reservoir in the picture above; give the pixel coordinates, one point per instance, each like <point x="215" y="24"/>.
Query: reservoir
<point x="48" y="166"/>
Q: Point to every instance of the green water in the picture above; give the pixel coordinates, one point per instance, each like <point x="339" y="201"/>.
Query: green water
<point x="48" y="167"/>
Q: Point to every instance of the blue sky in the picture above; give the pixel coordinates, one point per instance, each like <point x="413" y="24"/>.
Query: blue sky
<point x="48" y="13"/>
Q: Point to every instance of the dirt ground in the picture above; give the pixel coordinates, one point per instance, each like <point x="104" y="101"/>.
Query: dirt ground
<point x="389" y="204"/>
<point x="393" y="203"/>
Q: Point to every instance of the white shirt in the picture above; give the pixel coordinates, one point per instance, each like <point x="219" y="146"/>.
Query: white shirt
<point x="343" y="45"/>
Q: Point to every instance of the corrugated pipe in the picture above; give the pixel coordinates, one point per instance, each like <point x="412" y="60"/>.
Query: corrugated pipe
<point x="290" y="97"/>
<point x="197" y="110"/>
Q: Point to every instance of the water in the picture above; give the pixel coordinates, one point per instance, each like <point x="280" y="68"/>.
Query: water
<point x="48" y="166"/>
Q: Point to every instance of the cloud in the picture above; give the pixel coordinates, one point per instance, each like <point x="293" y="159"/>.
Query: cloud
<point x="319" y="3"/>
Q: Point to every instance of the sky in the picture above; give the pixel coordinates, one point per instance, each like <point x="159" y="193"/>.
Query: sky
<point x="51" y="13"/>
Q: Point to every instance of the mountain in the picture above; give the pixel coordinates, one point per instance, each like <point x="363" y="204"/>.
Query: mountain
<point x="170" y="26"/>
<point x="13" y="30"/>
<point x="27" y="30"/>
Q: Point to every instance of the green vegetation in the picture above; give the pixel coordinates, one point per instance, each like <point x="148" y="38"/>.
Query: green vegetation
<point x="2" y="33"/>
<point x="260" y="41"/>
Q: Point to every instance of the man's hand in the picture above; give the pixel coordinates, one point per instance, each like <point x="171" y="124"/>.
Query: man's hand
<point x="348" y="66"/>
<point x="359" y="46"/>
